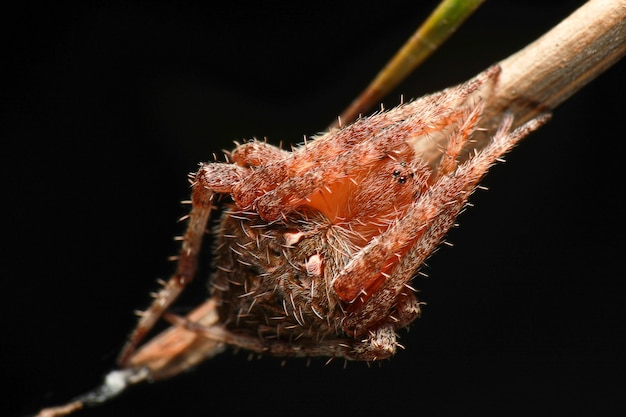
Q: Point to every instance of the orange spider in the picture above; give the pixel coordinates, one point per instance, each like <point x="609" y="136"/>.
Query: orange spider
<point x="314" y="249"/>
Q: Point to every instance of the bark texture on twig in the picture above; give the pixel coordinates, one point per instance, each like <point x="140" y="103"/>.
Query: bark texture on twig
<point x="548" y="71"/>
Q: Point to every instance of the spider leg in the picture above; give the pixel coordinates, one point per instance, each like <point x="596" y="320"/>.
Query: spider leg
<point x="210" y="179"/>
<point x="407" y="308"/>
<point x="177" y="349"/>
<point x="449" y="159"/>
<point x="391" y="260"/>
<point x="256" y="154"/>
<point x="377" y="344"/>
<point x="271" y="347"/>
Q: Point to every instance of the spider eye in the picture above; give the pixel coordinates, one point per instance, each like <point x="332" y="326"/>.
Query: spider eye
<point x="398" y="174"/>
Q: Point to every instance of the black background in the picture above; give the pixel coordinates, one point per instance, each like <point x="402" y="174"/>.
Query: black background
<point x="107" y="107"/>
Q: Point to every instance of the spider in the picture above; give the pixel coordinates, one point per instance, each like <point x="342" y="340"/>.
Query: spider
<point x="315" y="248"/>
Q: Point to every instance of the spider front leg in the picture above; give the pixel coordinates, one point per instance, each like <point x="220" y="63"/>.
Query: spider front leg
<point x="209" y="180"/>
<point x="392" y="259"/>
